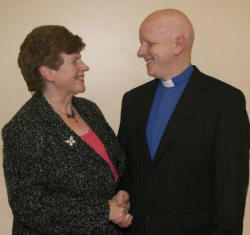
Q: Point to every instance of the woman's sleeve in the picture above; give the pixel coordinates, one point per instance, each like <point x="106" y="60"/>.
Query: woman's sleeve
<point x="33" y="205"/>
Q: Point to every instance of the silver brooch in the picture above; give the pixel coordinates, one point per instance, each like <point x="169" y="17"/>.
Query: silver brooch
<point x="70" y="141"/>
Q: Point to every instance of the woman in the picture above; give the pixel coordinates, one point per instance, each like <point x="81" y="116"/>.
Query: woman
<point x="62" y="162"/>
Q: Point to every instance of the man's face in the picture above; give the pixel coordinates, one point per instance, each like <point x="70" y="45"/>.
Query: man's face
<point x="157" y="49"/>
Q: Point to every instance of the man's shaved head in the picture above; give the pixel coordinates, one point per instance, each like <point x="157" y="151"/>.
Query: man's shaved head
<point x="166" y="43"/>
<point x="171" y="22"/>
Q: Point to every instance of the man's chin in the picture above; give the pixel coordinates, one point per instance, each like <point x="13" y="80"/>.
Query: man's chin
<point x="150" y="73"/>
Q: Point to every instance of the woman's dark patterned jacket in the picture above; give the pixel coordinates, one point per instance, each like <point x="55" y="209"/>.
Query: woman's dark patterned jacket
<point x="56" y="183"/>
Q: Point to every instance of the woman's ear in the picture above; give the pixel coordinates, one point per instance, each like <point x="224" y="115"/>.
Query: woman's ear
<point x="179" y="44"/>
<point x="46" y="73"/>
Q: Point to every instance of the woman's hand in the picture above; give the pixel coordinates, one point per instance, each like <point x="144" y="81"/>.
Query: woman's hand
<point x="126" y="221"/>
<point x="122" y="198"/>
<point x="119" y="207"/>
<point x="116" y="212"/>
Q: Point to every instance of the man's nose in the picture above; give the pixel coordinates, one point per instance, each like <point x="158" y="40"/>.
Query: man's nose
<point x="142" y="51"/>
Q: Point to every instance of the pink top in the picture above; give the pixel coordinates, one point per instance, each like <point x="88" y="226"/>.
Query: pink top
<point x="94" y="142"/>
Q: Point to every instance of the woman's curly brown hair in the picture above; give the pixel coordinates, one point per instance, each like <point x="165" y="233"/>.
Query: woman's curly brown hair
<point x="43" y="47"/>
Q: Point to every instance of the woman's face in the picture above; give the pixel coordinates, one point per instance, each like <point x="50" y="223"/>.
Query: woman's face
<point x="69" y="78"/>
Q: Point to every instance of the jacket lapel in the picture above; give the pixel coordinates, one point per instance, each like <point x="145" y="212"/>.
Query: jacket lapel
<point x="192" y="98"/>
<point x="54" y="124"/>
<point x="65" y="137"/>
<point x="87" y="112"/>
<point x="143" y="111"/>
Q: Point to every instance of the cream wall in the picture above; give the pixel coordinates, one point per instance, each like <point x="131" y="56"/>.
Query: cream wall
<point x="110" y="29"/>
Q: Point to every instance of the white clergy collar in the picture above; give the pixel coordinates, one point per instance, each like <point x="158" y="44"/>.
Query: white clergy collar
<point x="167" y="83"/>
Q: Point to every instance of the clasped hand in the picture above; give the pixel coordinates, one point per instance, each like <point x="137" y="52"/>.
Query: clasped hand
<point x="119" y="207"/>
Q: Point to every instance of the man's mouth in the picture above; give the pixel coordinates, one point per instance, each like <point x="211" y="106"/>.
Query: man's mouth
<point x="149" y="61"/>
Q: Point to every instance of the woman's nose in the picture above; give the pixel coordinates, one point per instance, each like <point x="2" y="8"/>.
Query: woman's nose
<point x="83" y="66"/>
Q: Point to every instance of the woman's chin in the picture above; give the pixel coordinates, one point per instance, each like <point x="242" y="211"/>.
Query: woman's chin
<point x="82" y="90"/>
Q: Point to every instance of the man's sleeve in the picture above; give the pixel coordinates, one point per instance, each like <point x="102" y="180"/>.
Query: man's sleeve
<point x="231" y="157"/>
<point x="123" y="139"/>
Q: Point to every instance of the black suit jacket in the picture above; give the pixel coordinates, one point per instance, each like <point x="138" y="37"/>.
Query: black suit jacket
<point x="197" y="182"/>
<point x="56" y="183"/>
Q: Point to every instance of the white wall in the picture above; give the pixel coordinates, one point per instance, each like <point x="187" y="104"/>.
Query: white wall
<point x="110" y="29"/>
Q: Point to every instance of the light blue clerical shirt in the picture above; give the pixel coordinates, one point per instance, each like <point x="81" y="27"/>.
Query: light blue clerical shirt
<point x="167" y="96"/>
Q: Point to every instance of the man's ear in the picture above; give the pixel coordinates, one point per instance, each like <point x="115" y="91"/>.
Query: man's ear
<point x="46" y="72"/>
<point x="179" y="44"/>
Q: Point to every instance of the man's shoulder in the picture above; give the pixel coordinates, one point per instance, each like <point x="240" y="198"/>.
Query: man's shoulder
<point x="215" y="84"/>
<point x="142" y="88"/>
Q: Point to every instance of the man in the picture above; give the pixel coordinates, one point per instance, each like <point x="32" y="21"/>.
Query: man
<point x="186" y="136"/>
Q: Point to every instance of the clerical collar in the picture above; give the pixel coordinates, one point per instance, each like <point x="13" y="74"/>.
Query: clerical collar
<point x="179" y="79"/>
<point x="167" y="83"/>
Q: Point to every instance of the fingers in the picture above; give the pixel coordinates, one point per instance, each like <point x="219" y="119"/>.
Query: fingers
<point x="122" y="197"/>
<point x="117" y="221"/>
<point x="126" y="206"/>
<point x="126" y="221"/>
<point x="116" y="212"/>
<point x="119" y="207"/>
